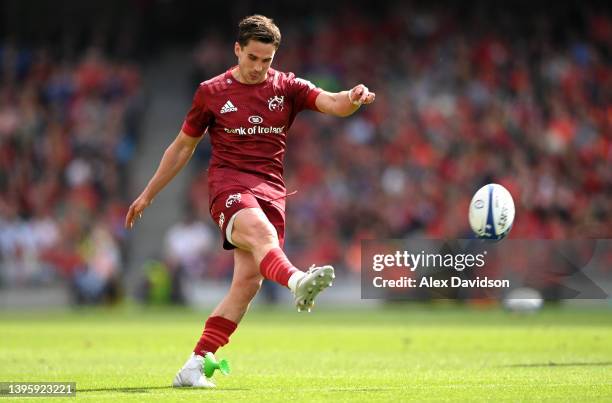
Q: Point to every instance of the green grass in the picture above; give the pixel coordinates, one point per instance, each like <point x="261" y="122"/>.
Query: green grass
<point x="399" y="353"/>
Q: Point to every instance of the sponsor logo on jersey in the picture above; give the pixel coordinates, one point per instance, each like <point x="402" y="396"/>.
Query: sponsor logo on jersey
<point x="228" y="107"/>
<point x="221" y="220"/>
<point x="243" y="131"/>
<point x="255" y="119"/>
<point x="233" y="198"/>
<point x="276" y="103"/>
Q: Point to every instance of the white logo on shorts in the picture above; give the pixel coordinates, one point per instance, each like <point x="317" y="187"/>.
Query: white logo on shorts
<point x="231" y="199"/>
<point x="221" y="220"/>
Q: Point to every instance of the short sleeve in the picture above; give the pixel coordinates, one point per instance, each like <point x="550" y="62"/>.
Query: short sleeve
<point x="303" y="92"/>
<point x="199" y="117"/>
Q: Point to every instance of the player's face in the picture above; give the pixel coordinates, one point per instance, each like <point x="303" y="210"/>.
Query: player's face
<point x="254" y="60"/>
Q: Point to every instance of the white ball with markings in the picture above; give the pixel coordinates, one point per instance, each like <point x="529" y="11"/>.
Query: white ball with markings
<point x="491" y="212"/>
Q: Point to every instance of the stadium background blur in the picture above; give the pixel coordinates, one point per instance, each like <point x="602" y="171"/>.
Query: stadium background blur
<point x="91" y="94"/>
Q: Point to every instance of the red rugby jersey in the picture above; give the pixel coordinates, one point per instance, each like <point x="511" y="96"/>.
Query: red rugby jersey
<point x="248" y="125"/>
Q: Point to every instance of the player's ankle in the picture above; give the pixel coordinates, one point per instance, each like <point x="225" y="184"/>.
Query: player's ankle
<point x="295" y="279"/>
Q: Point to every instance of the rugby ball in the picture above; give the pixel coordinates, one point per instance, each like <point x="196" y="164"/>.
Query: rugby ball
<point x="523" y="300"/>
<point x="491" y="212"/>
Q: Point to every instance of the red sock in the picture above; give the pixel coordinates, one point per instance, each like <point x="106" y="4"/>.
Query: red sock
<point x="217" y="331"/>
<point x="276" y="267"/>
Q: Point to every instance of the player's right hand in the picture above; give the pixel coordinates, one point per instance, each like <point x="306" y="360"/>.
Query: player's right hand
<point x="136" y="210"/>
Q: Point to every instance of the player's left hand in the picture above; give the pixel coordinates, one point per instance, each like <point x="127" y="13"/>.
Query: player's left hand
<point x="361" y="95"/>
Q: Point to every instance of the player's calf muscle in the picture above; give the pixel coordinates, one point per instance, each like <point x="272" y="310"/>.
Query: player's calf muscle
<point x="246" y="288"/>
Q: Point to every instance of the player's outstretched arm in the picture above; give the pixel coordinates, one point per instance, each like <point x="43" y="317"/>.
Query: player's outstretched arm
<point x="344" y="103"/>
<point x="174" y="159"/>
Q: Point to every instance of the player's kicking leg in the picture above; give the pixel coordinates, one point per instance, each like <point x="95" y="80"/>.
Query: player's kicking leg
<point x="258" y="255"/>
<point x="253" y="231"/>
<point x="223" y="320"/>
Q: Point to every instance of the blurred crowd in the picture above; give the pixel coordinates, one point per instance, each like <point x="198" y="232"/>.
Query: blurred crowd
<point x="67" y="132"/>
<point x="463" y="99"/>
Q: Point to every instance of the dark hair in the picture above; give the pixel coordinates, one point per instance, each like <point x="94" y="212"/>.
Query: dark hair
<point x="258" y="28"/>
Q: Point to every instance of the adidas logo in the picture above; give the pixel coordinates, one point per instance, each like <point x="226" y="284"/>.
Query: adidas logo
<point x="229" y="107"/>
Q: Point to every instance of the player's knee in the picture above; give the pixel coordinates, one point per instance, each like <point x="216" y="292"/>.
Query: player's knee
<point x="256" y="232"/>
<point x="264" y="233"/>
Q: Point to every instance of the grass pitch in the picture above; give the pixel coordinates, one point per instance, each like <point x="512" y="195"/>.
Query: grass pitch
<point x="399" y="353"/>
